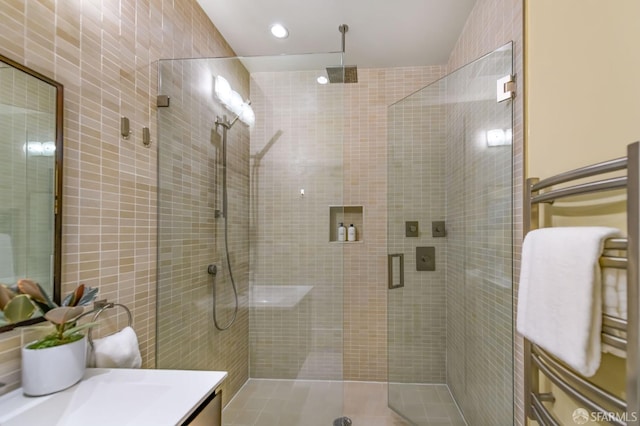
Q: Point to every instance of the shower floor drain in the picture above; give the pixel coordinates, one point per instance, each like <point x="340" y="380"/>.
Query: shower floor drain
<point x="342" y="421"/>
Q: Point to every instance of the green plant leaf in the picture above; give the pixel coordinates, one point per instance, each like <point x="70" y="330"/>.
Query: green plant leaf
<point x="5" y="296"/>
<point x="78" y="328"/>
<point x="53" y="340"/>
<point x="64" y="314"/>
<point x="19" y="308"/>
<point x="50" y="303"/>
<point x="42" y="307"/>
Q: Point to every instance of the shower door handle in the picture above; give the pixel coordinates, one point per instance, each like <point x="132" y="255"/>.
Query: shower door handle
<point x="396" y="270"/>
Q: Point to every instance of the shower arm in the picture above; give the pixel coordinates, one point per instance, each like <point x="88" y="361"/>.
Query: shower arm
<point x="343" y="30"/>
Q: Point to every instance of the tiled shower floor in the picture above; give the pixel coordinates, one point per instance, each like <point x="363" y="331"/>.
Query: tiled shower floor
<point x="263" y="402"/>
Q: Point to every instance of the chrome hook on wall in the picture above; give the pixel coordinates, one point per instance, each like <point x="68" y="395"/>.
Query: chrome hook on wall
<point x="146" y="136"/>
<point x="125" y="129"/>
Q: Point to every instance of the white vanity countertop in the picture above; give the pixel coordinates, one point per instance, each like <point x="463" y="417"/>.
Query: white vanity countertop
<point x="109" y="397"/>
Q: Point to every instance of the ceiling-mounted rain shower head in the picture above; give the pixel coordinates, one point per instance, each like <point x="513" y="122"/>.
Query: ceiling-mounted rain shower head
<point x="342" y="73"/>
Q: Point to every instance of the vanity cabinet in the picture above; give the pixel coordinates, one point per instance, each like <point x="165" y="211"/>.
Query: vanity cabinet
<point x="123" y="397"/>
<point x="209" y="413"/>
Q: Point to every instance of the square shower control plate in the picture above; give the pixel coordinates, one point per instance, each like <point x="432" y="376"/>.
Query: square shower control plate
<point x="438" y="229"/>
<point x="425" y="258"/>
<point x="411" y="229"/>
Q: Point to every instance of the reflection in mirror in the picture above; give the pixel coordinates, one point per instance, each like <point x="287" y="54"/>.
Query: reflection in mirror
<point x="30" y="186"/>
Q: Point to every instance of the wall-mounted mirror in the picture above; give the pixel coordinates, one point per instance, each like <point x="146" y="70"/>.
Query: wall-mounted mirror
<point x="30" y="186"/>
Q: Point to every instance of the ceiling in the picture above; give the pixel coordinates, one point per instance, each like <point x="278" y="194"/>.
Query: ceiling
<point x="381" y="33"/>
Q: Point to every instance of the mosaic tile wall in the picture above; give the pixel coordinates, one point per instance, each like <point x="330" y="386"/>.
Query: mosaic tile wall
<point x="417" y="312"/>
<point x="491" y="24"/>
<point x="190" y="233"/>
<point x="105" y="54"/>
<point x="296" y="145"/>
<point x="366" y="136"/>
<point x="479" y="265"/>
<point x="330" y="141"/>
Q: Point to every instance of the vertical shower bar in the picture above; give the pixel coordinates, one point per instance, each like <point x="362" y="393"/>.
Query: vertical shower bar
<point x="633" y="293"/>
<point x="224" y="166"/>
<point x="531" y="220"/>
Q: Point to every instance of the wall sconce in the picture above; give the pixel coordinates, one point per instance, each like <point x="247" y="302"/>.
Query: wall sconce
<point x="233" y="101"/>
<point x="499" y="137"/>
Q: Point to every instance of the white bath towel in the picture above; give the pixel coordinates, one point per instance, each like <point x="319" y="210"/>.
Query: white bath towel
<point x="614" y="291"/>
<point x="119" y="350"/>
<point x="560" y="295"/>
<point x="614" y="283"/>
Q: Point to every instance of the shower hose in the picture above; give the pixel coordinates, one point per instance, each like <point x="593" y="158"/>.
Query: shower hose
<point x="225" y="127"/>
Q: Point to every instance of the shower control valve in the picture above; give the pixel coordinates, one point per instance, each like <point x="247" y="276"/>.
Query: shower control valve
<point x="212" y="269"/>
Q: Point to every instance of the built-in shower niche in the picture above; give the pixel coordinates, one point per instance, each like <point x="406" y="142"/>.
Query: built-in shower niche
<point x="347" y="215"/>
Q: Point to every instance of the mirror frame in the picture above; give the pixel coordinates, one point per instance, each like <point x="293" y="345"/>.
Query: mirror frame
<point x="57" y="244"/>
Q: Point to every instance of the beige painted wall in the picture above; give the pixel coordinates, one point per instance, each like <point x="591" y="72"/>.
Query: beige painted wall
<point x="582" y="87"/>
<point x="582" y="106"/>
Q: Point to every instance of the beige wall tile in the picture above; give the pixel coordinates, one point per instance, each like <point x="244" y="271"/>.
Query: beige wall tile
<point x="478" y="38"/>
<point x="334" y="145"/>
<point x="105" y="54"/>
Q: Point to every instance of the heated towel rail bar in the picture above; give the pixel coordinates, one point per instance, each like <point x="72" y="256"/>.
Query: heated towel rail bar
<point x="616" y="332"/>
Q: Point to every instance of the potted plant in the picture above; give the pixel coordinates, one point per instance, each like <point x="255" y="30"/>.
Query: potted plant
<point x="58" y="360"/>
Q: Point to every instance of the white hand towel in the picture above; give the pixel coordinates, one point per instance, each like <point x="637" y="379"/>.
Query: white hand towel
<point x="119" y="350"/>
<point x="560" y="295"/>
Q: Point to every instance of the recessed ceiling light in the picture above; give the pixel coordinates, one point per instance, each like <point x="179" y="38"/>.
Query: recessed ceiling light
<point x="322" y="80"/>
<point x="279" y="31"/>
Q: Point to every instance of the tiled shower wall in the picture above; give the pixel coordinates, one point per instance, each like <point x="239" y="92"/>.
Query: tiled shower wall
<point x="290" y="235"/>
<point x="365" y="148"/>
<point x="491" y="24"/>
<point x="479" y="234"/>
<point x="105" y="54"/>
<point x="190" y="234"/>
<point x="417" y="311"/>
<point x="296" y="145"/>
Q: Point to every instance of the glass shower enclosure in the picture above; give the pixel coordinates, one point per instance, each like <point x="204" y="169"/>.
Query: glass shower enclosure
<point x="269" y="235"/>
<point x="450" y="249"/>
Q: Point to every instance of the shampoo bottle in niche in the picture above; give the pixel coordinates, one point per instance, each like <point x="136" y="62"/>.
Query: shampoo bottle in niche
<point x="342" y="232"/>
<point x="351" y="233"/>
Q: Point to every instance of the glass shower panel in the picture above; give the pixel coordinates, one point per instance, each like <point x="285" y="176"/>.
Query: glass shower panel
<point x="191" y="230"/>
<point x="296" y="269"/>
<point x="450" y="159"/>
<point x="284" y="173"/>
<point x="479" y="290"/>
<point x="416" y="197"/>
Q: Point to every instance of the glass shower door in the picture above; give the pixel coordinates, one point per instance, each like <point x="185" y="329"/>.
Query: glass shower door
<point x="450" y="297"/>
<point x="283" y="176"/>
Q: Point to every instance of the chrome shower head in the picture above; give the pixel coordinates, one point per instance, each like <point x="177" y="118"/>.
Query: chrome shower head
<point x="343" y="74"/>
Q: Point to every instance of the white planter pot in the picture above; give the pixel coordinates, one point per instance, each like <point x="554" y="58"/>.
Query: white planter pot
<point x="50" y="370"/>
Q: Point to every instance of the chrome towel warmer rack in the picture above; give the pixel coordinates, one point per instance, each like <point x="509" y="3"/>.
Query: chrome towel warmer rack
<point x="617" y="332"/>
